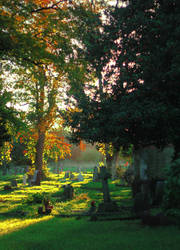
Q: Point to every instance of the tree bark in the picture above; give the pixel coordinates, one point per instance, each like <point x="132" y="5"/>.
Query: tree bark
<point x="39" y="156"/>
<point x="111" y="161"/>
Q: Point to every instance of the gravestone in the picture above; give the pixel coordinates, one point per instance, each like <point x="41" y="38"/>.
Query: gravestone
<point x="80" y="177"/>
<point x="149" y="168"/>
<point x="29" y="178"/>
<point x="33" y="179"/>
<point x="141" y="204"/>
<point x="104" y="177"/>
<point x="143" y="170"/>
<point x="108" y="205"/>
<point x="13" y="183"/>
<point x="7" y="188"/>
<point x="159" y="192"/>
<point x="95" y="174"/>
<point x="57" y="170"/>
<point x="68" y="193"/>
<point x="24" y="179"/>
<point x="71" y="176"/>
<point x="67" y="174"/>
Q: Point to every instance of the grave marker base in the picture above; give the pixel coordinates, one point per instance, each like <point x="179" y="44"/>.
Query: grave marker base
<point x="107" y="207"/>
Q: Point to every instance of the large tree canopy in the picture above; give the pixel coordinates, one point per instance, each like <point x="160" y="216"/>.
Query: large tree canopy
<point x="43" y="46"/>
<point x="139" y="102"/>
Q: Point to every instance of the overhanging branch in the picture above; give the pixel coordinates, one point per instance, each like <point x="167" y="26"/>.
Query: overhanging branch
<point x="53" y="6"/>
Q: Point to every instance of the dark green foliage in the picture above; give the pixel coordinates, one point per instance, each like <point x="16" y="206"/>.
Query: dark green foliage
<point x="36" y="198"/>
<point x="172" y="188"/>
<point x="148" y="109"/>
<point x="17" y="155"/>
<point x="4" y="112"/>
<point x="9" y="122"/>
<point x="141" y="105"/>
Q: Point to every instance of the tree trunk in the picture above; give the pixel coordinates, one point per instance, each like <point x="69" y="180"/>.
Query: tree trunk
<point x="39" y="156"/>
<point x="109" y="158"/>
<point x="111" y="161"/>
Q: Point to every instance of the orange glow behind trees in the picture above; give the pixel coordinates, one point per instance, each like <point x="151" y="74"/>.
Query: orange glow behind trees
<point x="82" y="146"/>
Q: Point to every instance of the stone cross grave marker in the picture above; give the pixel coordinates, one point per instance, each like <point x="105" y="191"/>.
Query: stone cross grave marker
<point x="104" y="175"/>
<point x="108" y="205"/>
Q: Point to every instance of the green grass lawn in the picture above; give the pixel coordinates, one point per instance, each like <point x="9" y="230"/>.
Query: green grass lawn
<point x="72" y="234"/>
<point x="31" y="231"/>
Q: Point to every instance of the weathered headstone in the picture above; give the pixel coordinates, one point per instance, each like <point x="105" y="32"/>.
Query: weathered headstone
<point x="7" y="188"/>
<point x="140" y="203"/>
<point x="67" y="174"/>
<point x="80" y="177"/>
<point x="108" y="205"/>
<point x="34" y="178"/>
<point x="95" y="174"/>
<point x="29" y="179"/>
<point x="57" y="170"/>
<point x="143" y="170"/>
<point x="13" y="183"/>
<point x="71" y="176"/>
<point x="68" y="192"/>
<point x="159" y="192"/>
<point x="24" y="179"/>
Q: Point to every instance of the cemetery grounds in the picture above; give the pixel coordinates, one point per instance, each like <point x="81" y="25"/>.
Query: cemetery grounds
<point x="22" y="228"/>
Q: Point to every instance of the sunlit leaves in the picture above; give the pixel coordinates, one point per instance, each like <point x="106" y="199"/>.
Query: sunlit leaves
<point x="5" y="153"/>
<point x="55" y="147"/>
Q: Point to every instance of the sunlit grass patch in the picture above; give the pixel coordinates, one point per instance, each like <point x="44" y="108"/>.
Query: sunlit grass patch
<point x="3" y="183"/>
<point x="72" y="234"/>
<point x="33" y="231"/>
<point x="23" y="201"/>
<point x="10" y="225"/>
